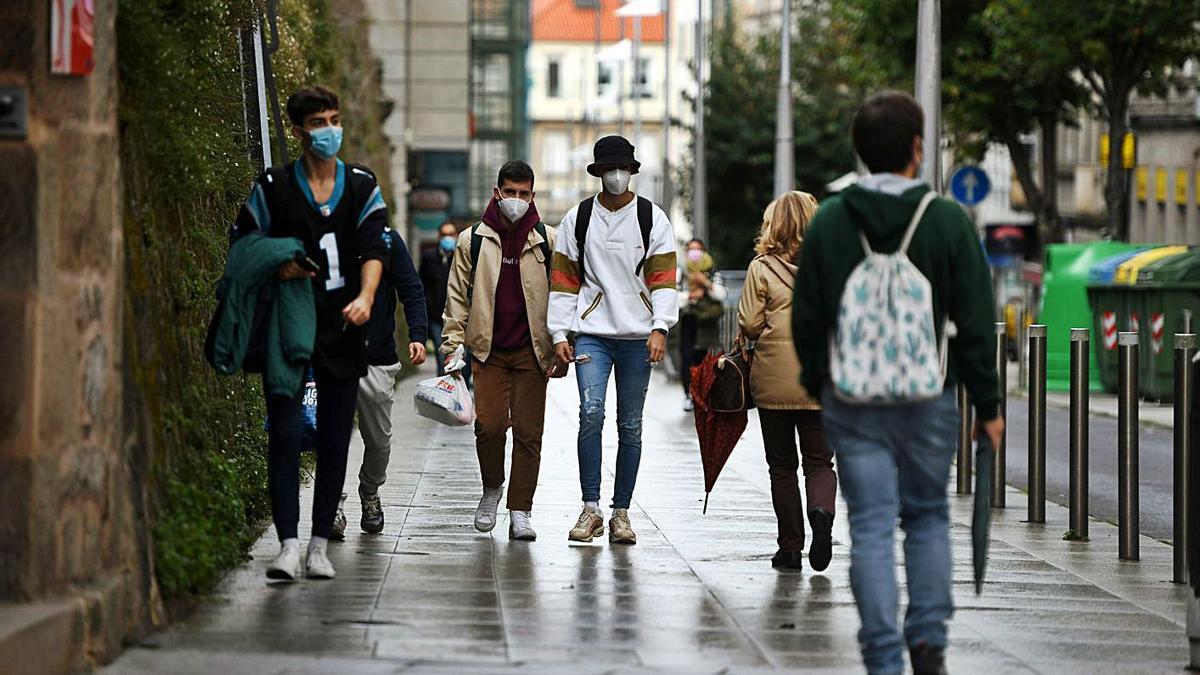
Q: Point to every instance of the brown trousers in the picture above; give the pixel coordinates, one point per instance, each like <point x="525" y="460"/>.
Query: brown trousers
<point x="779" y="429"/>
<point x="510" y="391"/>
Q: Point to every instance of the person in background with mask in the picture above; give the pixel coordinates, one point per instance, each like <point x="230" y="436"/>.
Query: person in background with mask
<point x="435" y="274"/>
<point x="613" y="286"/>
<point x="337" y="212"/>
<point x="496" y="308"/>
<point x="701" y="303"/>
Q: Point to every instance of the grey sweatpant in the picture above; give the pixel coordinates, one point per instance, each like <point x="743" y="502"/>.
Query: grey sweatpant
<point x="376" y="392"/>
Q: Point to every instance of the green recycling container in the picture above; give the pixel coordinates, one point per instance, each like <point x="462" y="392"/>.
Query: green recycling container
<point x="1171" y="289"/>
<point x="1065" y="304"/>
<point x="1108" y="302"/>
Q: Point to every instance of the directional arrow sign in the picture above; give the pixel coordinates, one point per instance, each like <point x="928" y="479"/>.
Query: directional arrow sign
<point x="970" y="185"/>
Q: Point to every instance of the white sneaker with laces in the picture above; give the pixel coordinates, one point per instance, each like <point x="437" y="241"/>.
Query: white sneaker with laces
<point x="319" y="565"/>
<point x="519" y="527"/>
<point x="286" y="565"/>
<point x="485" y="513"/>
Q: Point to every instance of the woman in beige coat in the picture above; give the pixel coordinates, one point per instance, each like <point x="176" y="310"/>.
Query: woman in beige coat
<point x="784" y="408"/>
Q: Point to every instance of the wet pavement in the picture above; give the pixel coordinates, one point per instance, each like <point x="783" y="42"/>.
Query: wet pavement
<point x="696" y="594"/>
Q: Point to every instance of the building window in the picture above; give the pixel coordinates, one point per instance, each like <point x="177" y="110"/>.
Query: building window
<point x="604" y="79"/>
<point x="641" y="80"/>
<point x="556" y="153"/>
<point x="491" y="93"/>
<point x="553" y="76"/>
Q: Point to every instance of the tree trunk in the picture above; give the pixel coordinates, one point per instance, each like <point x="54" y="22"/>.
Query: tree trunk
<point x="1049" y="221"/>
<point x="1024" y="169"/>
<point x="1116" y="186"/>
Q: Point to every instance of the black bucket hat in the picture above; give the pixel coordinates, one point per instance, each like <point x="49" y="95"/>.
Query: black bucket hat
<point x="612" y="151"/>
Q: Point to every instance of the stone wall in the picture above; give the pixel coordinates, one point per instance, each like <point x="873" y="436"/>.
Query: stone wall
<point x="69" y="535"/>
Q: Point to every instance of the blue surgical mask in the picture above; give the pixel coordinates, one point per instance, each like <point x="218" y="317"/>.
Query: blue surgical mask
<point x="446" y="244"/>
<point x="326" y="141"/>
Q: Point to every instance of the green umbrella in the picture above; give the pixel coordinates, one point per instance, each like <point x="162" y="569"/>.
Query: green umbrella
<point x="981" y="519"/>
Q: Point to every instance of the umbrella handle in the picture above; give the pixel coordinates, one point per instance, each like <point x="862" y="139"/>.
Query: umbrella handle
<point x="705" y="504"/>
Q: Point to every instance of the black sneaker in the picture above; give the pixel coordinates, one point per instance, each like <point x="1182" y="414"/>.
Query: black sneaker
<point x="788" y="560"/>
<point x="372" y="513"/>
<point x="821" y="550"/>
<point x="927" y="660"/>
<point x="338" y="533"/>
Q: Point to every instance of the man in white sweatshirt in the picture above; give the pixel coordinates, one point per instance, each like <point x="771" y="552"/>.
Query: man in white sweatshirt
<point x="613" y="288"/>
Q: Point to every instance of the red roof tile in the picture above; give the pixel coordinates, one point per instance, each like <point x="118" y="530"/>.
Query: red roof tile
<point x="564" y="21"/>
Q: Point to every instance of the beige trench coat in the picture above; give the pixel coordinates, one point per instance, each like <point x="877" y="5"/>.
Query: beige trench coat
<point x="765" y="315"/>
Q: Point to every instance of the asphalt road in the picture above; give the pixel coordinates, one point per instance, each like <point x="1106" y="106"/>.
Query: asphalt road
<point x="1156" y="466"/>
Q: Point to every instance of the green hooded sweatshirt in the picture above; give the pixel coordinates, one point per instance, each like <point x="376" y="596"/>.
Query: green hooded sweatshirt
<point x="292" y="326"/>
<point x="945" y="248"/>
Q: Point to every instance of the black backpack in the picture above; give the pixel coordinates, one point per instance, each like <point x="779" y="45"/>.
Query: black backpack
<point x="583" y="219"/>
<point x="477" y="245"/>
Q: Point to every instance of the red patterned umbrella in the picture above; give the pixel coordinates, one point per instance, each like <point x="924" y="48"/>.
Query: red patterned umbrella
<point x="718" y="431"/>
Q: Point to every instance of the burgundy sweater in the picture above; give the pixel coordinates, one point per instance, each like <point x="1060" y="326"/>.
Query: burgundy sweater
<point x="510" y="324"/>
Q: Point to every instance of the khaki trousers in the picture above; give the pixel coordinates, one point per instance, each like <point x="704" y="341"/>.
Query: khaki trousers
<point x="510" y="392"/>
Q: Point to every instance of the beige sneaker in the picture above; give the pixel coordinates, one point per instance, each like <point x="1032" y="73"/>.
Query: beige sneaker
<point x="619" y="529"/>
<point x="589" y="525"/>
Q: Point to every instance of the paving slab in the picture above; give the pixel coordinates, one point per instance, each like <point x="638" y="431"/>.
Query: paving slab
<point x="696" y="594"/>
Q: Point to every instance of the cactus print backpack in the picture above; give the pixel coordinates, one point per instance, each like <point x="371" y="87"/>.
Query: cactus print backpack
<point x="885" y="349"/>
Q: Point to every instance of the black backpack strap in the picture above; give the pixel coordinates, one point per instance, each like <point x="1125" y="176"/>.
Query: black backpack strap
<point x="476" y="245"/>
<point x="583" y="218"/>
<point x="645" y="216"/>
<point x="540" y="228"/>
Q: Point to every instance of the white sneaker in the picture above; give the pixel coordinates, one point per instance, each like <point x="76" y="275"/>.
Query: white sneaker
<point x="485" y="513"/>
<point x="519" y="527"/>
<point x="319" y="566"/>
<point x="286" y="565"/>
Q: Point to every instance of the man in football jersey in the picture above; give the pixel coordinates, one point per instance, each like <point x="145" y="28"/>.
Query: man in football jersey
<point x="337" y="212"/>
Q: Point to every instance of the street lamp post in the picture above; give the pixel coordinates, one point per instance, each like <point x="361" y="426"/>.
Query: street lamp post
<point x="929" y="88"/>
<point x="699" y="198"/>
<point x="785" y="172"/>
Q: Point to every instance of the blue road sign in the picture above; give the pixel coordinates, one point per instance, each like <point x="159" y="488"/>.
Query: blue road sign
<point x="970" y="185"/>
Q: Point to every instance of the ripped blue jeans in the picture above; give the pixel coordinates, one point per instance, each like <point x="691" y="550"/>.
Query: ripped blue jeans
<point x="630" y="358"/>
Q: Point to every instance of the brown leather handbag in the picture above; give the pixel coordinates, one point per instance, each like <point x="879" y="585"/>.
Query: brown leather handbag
<point x="731" y="387"/>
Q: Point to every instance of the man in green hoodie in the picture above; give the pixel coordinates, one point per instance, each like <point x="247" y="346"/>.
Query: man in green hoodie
<point x="894" y="459"/>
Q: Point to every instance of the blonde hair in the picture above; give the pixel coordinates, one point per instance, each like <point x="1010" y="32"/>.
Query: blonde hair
<point x="785" y="221"/>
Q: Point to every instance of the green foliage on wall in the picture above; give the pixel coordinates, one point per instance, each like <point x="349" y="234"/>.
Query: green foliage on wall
<point x="186" y="169"/>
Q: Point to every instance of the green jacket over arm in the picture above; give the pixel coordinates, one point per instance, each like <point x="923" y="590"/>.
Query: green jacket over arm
<point x="292" y="326"/>
<point x="946" y="249"/>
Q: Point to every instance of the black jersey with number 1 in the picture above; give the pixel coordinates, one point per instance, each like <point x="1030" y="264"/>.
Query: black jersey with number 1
<point x="339" y="235"/>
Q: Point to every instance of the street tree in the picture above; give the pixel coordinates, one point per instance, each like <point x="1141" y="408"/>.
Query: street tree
<point x="1119" y="46"/>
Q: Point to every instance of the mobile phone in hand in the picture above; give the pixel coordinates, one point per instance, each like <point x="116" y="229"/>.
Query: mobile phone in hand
<point x="309" y="264"/>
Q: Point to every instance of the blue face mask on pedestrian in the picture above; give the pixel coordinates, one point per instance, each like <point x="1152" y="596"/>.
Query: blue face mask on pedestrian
<point x="326" y="141"/>
<point x="446" y="244"/>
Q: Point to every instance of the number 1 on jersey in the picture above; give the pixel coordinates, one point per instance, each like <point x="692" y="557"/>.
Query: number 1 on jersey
<point x="329" y="246"/>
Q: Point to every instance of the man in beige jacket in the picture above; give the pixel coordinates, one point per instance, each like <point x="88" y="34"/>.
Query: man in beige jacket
<point x="496" y="308"/>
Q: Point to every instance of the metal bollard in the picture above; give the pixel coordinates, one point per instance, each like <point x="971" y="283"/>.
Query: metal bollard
<point x="1127" y="446"/>
<point x="965" y="456"/>
<point x="1037" y="423"/>
<point x="1185" y="350"/>
<point x="999" y="484"/>
<point x="1079" y="435"/>
<point x="1022" y="349"/>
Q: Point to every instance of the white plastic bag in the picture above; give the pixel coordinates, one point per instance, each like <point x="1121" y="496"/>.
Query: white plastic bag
<point x="445" y="399"/>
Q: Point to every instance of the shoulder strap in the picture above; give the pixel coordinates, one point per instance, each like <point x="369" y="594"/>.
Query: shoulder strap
<point x="583" y="218"/>
<point x="476" y="245"/>
<point x="912" y="225"/>
<point x="540" y="228"/>
<point x="916" y="220"/>
<point x="645" y="216"/>
<point x="780" y="275"/>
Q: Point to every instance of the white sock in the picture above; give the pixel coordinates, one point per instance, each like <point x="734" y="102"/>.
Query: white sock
<point x="317" y="543"/>
<point x="291" y="543"/>
<point x="594" y="506"/>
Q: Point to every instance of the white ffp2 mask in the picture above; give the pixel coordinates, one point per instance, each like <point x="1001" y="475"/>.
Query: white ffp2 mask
<point x="616" y="182"/>
<point x="513" y="208"/>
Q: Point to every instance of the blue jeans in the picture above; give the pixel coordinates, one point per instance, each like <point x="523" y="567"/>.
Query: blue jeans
<point x="631" y="359"/>
<point x="894" y="461"/>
